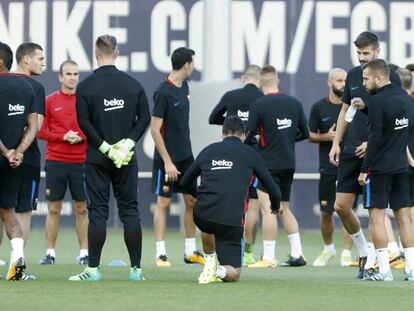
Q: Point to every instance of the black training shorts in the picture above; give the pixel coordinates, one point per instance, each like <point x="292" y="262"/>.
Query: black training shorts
<point x="228" y="239"/>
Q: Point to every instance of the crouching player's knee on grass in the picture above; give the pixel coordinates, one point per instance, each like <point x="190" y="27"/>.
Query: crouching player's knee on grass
<point x="230" y="273"/>
<point x="227" y="170"/>
<point x="225" y="243"/>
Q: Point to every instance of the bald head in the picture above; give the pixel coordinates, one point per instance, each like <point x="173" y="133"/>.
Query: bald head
<point x="335" y="72"/>
<point x="336" y="83"/>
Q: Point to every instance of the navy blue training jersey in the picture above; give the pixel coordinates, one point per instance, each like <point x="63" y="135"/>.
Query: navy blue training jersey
<point x="172" y="104"/>
<point x="357" y="130"/>
<point x="110" y="105"/>
<point x="236" y="103"/>
<point x="389" y="114"/>
<point x="32" y="154"/>
<point x="17" y="100"/>
<point x="323" y="115"/>
<point x="280" y="121"/>
<point x="227" y="169"/>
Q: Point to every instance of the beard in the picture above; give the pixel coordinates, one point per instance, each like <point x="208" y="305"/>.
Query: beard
<point x="338" y="92"/>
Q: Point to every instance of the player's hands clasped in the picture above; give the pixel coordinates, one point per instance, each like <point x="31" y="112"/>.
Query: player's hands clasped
<point x="121" y="152"/>
<point x="14" y="157"/>
<point x="72" y="137"/>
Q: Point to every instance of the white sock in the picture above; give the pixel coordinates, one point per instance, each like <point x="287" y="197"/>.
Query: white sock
<point x="400" y="245"/>
<point x="329" y="248"/>
<point x="393" y="247"/>
<point x="295" y="245"/>
<point x="346" y="252"/>
<point x="409" y="259"/>
<point x="210" y="258"/>
<point x="51" y="252"/>
<point x="360" y="242"/>
<point x="383" y="261"/>
<point x="371" y="257"/>
<point x="190" y="246"/>
<point x="210" y="262"/>
<point x="17" y="245"/>
<point x="82" y="253"/>
<point x="269" y="250"/>
<point x="221" y="272"/>
<point x="160" y="248"/>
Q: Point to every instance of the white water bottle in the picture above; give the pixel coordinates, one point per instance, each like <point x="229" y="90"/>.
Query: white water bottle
<point x="349" y="116"/>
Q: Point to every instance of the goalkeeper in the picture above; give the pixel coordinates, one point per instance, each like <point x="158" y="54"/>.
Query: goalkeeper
<point x="113" y="113"/>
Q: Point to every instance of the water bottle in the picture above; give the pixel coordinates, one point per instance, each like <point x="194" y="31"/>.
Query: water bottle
<point x="349" y="116"/>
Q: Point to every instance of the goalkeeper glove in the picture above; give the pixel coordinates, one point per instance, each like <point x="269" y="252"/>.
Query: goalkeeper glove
<point x="125" y="148"/>
<point x="111" y="152"/>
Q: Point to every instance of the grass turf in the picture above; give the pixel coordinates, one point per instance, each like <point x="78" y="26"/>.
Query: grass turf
<point x="175" y="288"/>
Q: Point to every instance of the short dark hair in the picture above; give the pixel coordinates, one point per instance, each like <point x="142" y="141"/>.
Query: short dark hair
<point x="26" y="48"/>
<point x="410" y="67"/>
<point x="406" y="78"/>
<point x="106" y="44"/>
<point x="180" y="57"/>
<point x="378" y="65"/>
<point x="233" y="125"/>
<point x="367" y="39"/>
<point x="6" y="55"/>
<point x="69" y="61"/>
<point x="393" y="67"/>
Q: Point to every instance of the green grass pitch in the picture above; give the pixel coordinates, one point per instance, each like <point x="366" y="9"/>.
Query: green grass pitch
<point x="175" y="288"/>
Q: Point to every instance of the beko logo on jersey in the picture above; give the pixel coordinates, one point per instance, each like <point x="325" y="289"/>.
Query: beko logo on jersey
<point x="283" y="123"/>
<point x="15" y="109"/>
<point x="113" y="104"/>
<point x="221" y="165"/>
<point x="244" y="115"/>
<point x="400" y="123"/>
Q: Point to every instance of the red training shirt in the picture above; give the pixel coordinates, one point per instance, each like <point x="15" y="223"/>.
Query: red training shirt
<point x="61" y="118"/>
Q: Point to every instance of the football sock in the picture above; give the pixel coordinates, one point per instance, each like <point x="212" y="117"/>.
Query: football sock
<point x="360" y="242"/>
<point x="269" y="250"/>
<point x="383" y="262"/>
<point x="82" y="253"/>
<point x="51" y="252"/>
<point x="346" y="252"/>
<point x="371" y="257"/>
<point x="409" y="259"/>
<point x="393" y="247"/>
<point x="329" y="248"/>
<point x="16" y="249"/>
<point x="190" y="246"/>
<point x="295" y="245"/>
<point x="248" y="247"/>
<point x="160" y="248"/>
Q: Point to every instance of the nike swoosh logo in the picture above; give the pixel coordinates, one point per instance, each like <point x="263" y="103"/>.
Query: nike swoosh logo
<point x="176" y="104"/>
<point x="58" y="108"/>
<point x="326" y="119"/>
<point x="353" y="88"/>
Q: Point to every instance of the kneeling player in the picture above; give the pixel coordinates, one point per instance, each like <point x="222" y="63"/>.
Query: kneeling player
<point x="227" y="169"/>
